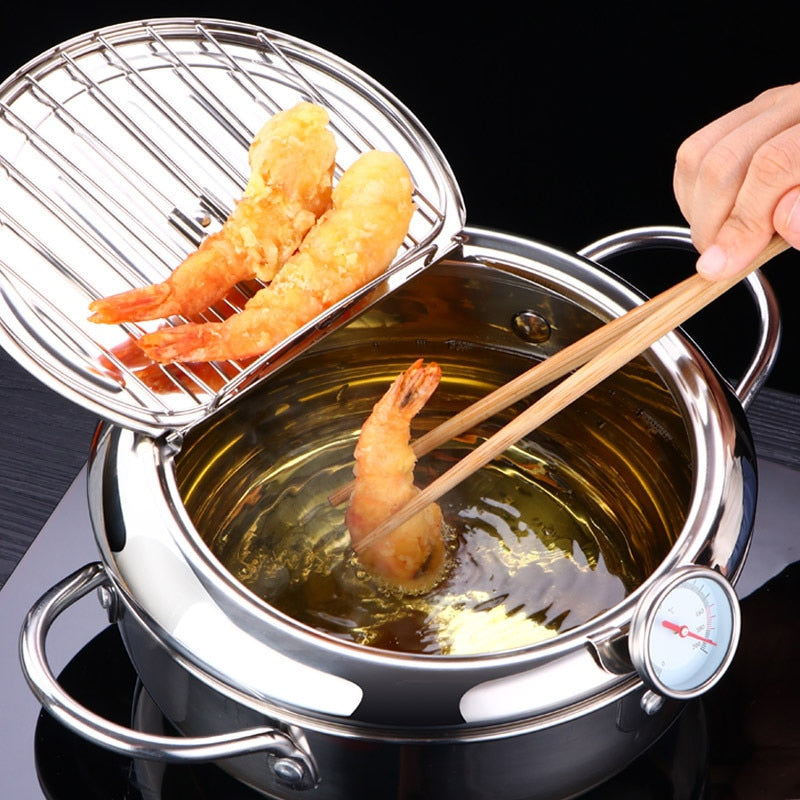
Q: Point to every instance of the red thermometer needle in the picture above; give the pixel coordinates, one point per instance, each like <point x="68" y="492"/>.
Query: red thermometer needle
<point x="683" y="632"/>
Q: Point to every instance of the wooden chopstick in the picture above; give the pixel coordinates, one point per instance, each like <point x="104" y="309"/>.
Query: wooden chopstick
<point x="607" y="352"/>
<point x="541" y="374"/>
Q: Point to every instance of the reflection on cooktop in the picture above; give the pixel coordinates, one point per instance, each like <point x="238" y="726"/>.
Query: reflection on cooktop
<point x="741" y="741"/>
<point x="101" y="677"/>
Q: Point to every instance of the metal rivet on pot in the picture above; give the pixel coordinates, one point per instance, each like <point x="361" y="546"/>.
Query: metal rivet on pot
<point x="651" y="702"/>
<point x="288" y="771"/>
<point x="531" y="327"/>
<point x="108" y="600"/>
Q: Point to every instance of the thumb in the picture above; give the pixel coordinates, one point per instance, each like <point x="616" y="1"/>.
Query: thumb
<point x="786" y="217"/>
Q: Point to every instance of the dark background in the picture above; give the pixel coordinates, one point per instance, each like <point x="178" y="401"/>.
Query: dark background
<point x="560" y="121"/>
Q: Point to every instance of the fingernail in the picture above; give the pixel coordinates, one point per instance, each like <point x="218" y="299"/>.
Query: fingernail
<point x="793" y="219"/>
<point x="712" y="262"/>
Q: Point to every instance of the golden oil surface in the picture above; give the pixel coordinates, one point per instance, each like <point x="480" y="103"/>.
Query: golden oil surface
<point x="558" y="530"/>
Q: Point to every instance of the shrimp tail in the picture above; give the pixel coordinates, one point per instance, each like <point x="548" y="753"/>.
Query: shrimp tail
<point x="204" y="277"/>
<point x="249" y="333"/>
<point x="189" y="342"/>
<point x="146" y="302"/>
<point x="390" y="420"/>
<point x="412" y="390"/>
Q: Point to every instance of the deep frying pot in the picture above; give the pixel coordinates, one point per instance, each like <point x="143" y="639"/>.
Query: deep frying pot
<point x="295" y="713"/>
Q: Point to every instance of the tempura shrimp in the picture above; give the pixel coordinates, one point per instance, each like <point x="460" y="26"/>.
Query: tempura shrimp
<point x="291" y="161"/>
<point x="412" y="556"/>
<point x="351" y="244"/>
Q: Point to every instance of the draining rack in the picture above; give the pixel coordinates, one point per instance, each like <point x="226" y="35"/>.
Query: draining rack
<point x="122" y="148"/>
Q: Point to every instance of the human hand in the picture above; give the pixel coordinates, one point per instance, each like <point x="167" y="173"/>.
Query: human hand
<point x="737" y="181"/>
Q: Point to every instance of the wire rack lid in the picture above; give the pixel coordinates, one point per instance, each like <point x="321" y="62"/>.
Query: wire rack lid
<point x="122" y="148"/>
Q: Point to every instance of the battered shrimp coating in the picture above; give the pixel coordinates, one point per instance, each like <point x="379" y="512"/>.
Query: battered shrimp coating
<point x="351" y="244"/>
<point x="412" y="555"/>
<point x="291" y="161"/>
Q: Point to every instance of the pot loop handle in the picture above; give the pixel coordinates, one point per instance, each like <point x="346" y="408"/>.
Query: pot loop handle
<point x="290" y="764"/>
<point x="769" y="334"/>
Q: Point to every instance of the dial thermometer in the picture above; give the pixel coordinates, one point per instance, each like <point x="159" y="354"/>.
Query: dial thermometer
<point x="684" y="632"/>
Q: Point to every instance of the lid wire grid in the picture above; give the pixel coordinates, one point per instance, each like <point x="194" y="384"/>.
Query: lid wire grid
<point x="120" y="150"/>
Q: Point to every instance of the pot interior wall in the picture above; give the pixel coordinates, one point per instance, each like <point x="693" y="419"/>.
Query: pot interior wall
<point x="561" y="528"/>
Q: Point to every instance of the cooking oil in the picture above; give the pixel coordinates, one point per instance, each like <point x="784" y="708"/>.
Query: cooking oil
<point x="561" y="528"/>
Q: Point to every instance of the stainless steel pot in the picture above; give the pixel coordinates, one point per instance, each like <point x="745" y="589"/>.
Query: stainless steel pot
<point x="296" y="712"/>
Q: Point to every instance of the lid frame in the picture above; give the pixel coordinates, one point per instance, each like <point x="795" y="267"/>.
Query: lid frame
<point x="122" y="148"/>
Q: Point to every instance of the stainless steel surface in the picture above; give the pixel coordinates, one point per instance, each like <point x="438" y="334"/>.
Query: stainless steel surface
<point x="122" y="148"/>
<point x="555" y="126"/>
<point x="194" y="703"/>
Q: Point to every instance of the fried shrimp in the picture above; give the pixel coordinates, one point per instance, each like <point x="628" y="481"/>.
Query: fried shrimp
<point x="351" y="244"/>
<point x="412" y="555"/>
<point x="291" y="161"/>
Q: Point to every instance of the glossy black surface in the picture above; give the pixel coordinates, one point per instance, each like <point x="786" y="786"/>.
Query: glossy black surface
<point x="741" y="741"/>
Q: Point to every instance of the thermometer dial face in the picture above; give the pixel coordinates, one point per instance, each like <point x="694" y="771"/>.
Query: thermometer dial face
<point x="685" y="631"/>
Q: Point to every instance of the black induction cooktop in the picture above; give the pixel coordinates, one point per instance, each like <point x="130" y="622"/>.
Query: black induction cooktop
<point x="741" y="741"/>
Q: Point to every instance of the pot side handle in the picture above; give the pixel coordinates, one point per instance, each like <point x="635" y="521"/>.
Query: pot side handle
<point x="291" y="765"/>
<point x="760" y="289"/>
